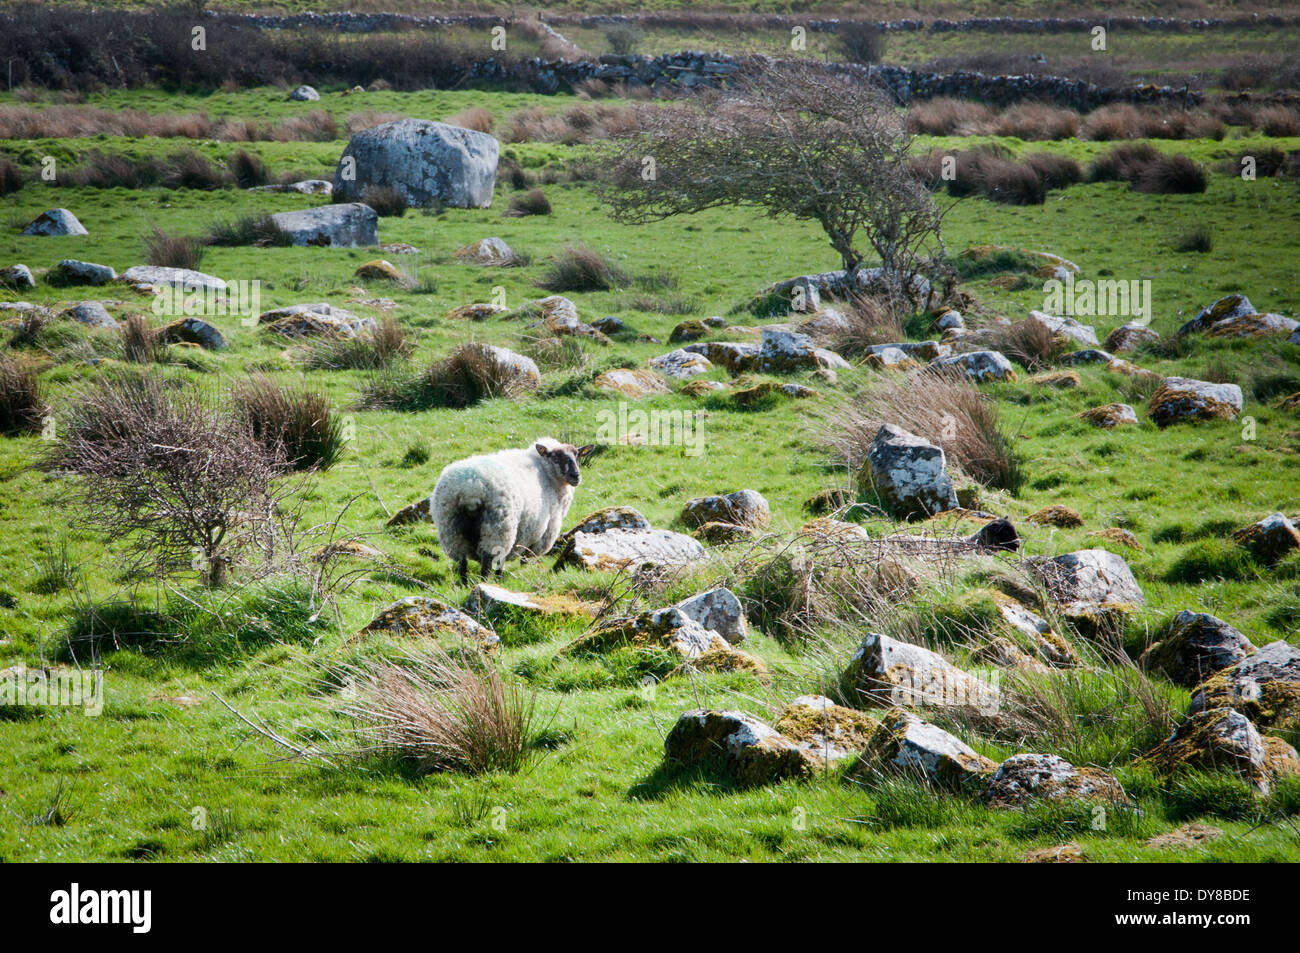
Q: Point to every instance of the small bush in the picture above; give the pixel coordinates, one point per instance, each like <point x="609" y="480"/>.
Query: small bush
<point x="298" y="424"/>
<point x="1036" y="121"/>
<point x="532" y="202"/>
<point x="469" y="375"/>
<point x="1170" y="175"/>
<point x="860" y="42"/>
<point x="944" y="116"/>
<point x="22" y="398"/>
<point x="383" y="348"/>
<point x="1199" y="238"/>
<point x="387" y="201"/>
<point x="1122" y="164"/>
<point x="579" y="268"/>
<point x="102" y="171"/>
<point x="1056" y="172"/>
<point x="1278" y="121"/>
<point x="190" y="170"/>
<point x="173" y="251"/>
<point x="624" y="38"/>
<point x="247" y="169"/>
<point x="11" y="177"/>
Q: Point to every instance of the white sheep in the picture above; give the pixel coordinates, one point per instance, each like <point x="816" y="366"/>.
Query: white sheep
<point x="496" y="506"/>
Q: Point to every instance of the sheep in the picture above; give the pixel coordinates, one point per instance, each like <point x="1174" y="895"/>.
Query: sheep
<point x="496" y="506"/>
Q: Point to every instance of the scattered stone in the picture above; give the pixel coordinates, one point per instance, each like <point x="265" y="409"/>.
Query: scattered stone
<point x="1120" y="537"/>
<point x="701" y="388"/>
<point x="425" y="618"/>
<point x="1229" y="306"/>
<point x="608" y="324"/>
<point x="889" y="359"/>
<point x="752" y="751"/>
<point x="92" y="313"/>
<point x="633" y="384"/>
<point x="999" y="534"/>
<point x="345" y="225"/>
<point x="1057" y="854"/>
<point x="72" y="272"/>
<point x="1082" y="333"/>
<point x="833" y="731"/>
<point x="1265" y="687"/>
<point x="909" y="474"/>
<point x="524" y="369"/>
<point x="1219" y="739"/>
<point x="979" y="366"/>
<point x="319" y="319"/>
<point x="784" y="351"/>
<point x="614" y="550"/>
<point x="1196" y="645"/>
<point x="304" y="94"/>
<point x="55" y="222"/>
<point x="906" y="745"/>
<point x="612" y="517"/>
<point x="916" y="350"/>
<point x="490" y="252"/>
<point x="302" y="187"/>
<point x="1187" y="836"/>
<point x="17" y="278"/>
<point x="681" y="364"/>
<point x="834" y="531"/>
<point x="490" y="601"/>
<point x="1129" y="337"/>
<point x="744" y="508"/>
<point x="718" y="610"/>
<point x="1094" y="577"/>
<point x="1056" y="515"/>
<point x="718" y="533"/>
<point x="429" y="163"/>
<point x="687" y="331"/>
<point x="1033" y="630"/>
<point x="827" y="501"/>
<point x="1181" y="398"/>
<point x="1061" y="380"/>
<point x="1270" y="539"/>
<point x="1120" y="366"/>
<point x="948" y="318"/>
<point x="1253" y="326"/>
<point x="1027" y="777"/>
<point x="886" y="672"/>
<point x="193" y="331"/>
<point x="475" y="312"/>
<point x="179" y="280"/>
<point x="1109" y="415"/>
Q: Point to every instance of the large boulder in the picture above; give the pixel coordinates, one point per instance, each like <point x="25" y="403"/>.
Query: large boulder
<point x="1196" y="645"/>
<point x="785" y="351"/>
<point x="181" y="280"/>
<point x="751" y="751"/>
<point x="1253" y="326"/>
<point x="1183" y="398"/>
<point x="614" y="550"/>
<point x="718" y="610"/>
<point x="304" y="94"/>
<point x="1090" y="576"/>
<point x="1265" y="687"/>
<point x="1229" y="306"/>
<point x="743" y="508"/>
<point x="909" y="474"/>
<point x="1027" y="777"/>
<point x="429" y="163"/>
<point x="92" y="313"/>
<point x="346" y="225"/>
<point x="1129" y="337"/>
<point x="979" y="366"/>
<point x="319" y="319"/>
<point x="885" y="671"/>
<point x="55" y="222"/>
<point x="906" y="745"/>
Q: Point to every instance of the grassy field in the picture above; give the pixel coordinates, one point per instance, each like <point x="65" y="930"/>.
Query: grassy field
<point x="125" y="785"/>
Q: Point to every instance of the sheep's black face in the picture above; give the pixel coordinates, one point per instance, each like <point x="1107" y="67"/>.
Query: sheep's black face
<point x="563" y="461"/>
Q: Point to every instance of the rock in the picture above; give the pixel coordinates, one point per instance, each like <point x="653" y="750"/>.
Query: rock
<point x="1109" y="415"/>
<point x="425" y="618"/>
<point x="1003" y="653"/>
<point x="92" y="313"/>
<point x="1253" y="326"/>
<point x="304" y="94"/>
<point x="751" y="751"/>
<point x="948" y="318"/>
<point x="735" y="356"/>
<point x="1189" y="835"/>
<point x="1061" y="380"/>
<point x="744" y="508"/>
<point x="827" y="501"/>
<point x="421" y="511"/>
<point x="1056" y="854"/>
<point x="785" y="351"/>
<point x="1182" y="398"/>
<point x="608" y="324"/>
<point x="476" y="312"/>
<point x="302" y="187"/>
<point x="1087" y="355"/>
<point x="180" y="280"/>
<point x="906" y="745"/>
<point x="718" y="610"/>
<point x="429" y="163"/>
<point x="1050" y="266"/>
<point x="1270" y="539"/>
<point x="17" y="278"/>
<point x="884" y="671"/>
<point x="1219" y="739"/>
<point x="345" y="225"/>
<point x="998" y="534"/>
<point x="1090" y="577"/>
<point x="1121" y="537"/>
<point x="55" y="222"/>
<point x="617" y="549"/>
<point x="517" y="365"/>
<point x="1265" y="687"/>
<point x="830" y="530"/>
<point x="1083" y="333"/>
<point x="491" y="252"/>
<point x="888" y="358"/>
<point x="681" y="364"/>
<point x="489" y="601"/>
<point x="193" y="331"/>
<point x="718" y="533"/>
<point x="1196" y="645"/>
<point x="1027" y="777"/>
<point x="72" y="272"/>
<point x="979" y="366"/>
<point x="612" y="517"/>
<point x="908" y="473"/>
<point x="1129" y="337"/>
<point x="633" y="384"/>
<point x="1056" y="515"/>
<point x="687" y="331"/>
<point x="916" y="350"/>
<point x="701" y="388"/>
<point x="1229" y="306"/>
<point x="320" y="319"/>
<point x="1033" y="630"/>
<point x="670" y="628"/>
<point x="832" y="731"/>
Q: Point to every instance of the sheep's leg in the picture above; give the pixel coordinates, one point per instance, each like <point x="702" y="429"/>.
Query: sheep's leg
<point x="462" y="568"/>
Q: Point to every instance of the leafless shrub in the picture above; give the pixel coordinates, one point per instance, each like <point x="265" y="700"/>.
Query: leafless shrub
<point x="176" y="482"/>
<point x="22" y="397"/>
<point x="858" y="41"/>
<point x="173" y="251"/>
<point x="299" y="426"/>
<point x="624" y="38"/>
<point x="941" y="406"/>
<point x="476" y="118"/>
<point x="440" y="712"/>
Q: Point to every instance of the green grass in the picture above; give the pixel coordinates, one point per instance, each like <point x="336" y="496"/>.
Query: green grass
<point x="125" y="785"/>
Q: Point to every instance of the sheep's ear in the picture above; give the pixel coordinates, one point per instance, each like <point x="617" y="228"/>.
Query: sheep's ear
<point x="583" y="452"/>
<point x="541" y="448"/>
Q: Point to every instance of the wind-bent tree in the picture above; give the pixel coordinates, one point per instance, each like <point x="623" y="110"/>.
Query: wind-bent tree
<point x="792" y="139"/>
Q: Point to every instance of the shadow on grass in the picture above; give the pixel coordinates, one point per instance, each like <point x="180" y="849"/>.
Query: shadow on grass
<point x="670" y="777"/>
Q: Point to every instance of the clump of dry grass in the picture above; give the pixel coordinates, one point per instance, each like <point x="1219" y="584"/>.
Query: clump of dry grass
<point x="579" y="268"/>
<point x="940" y="405"/>
<point x="385" y="346"/>
<point x="387" y="201"/>
<point x="870" y="320"/>
<point x="578" y="124"/>
<point x="173" y="251"/>
<point x="22" y="397"/>
<point x="1055" y="171"/>
<point x="11" y="177"/>
<point x="532" y="202"/>
<point x="1036" y="121"/>
<point x="469" y="375"/>
<point x="142" y="344"/>
<point x="1170" y="175"/>
<point x="300" y="425"/>
<point x="440" y="712"/>
<point x="247" y="169"/>
<point x="368" y="119"/>
<point x="1277" y="121"/>
<point x="944" y="116"/>
<point x="476" y="118"/>
<point x="1031" y="344"/>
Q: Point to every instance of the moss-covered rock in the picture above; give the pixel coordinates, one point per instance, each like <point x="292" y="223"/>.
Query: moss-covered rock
<point x="1195" y="644"/>
<point x="1109" y="416"/>
<point x="1269" y="539"/>
<point x="1028" y="777"/>
<point x="1222" y="739"/>
<point x="816" y="722"/>
<point x="749" y="750"/>
<point x="1265" y="687"/>
<point x="425" y="618"/>
<point x="906" y="745"/>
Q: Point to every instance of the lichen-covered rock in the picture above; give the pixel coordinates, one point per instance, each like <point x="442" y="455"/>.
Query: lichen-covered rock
<point x="633" y="384"/>
<point x="1120" y="537"/>
<point x="91" y="313"/>
<point x="978" y="366"/>
<point x="489" y="252"/>
<point x="916" y="350"/>
<point x="1253" y="326"/>
<point x="611" y="517"/>
<point x="1181" y="398"/>
<point x="70" y="271"/>
<point x="609" y="324"/>
<point x="55" y="222"/>
<point x="888" y="359"/>
<point x="735" y="356"/>
<point x="906" y="745"/>
<point x="784" y="351"/>
<point x="17" y="278"/>
<point x="1265" y="687"/>
<point x="421" y="511"/>
<point x="1221" y="739"/>
<point x="744" y="508"/>
<point x="818" y="724"/>
<point x="886" y="672"/>
<point x="304" y="94"/>
<point x="1090" y="576"/>
<point x="1003" y="653"/>
<point x="1109" y="415"/>
<point x="425" y="618"/>
<point x="681" y="364"/>
<point x="1087" y="355"/>
<point x="1129" y="337"/>
<point x="830" y="530"/>
<point x="345" y="225"/>
<point x="429" y="163"/>
<point x="379" y="269"/>
<point x="614" y="550"/>
<point x="752" y="751"/>
<point x="476" y="312"/>
<point x="1270" y="539"/>
<point x="319" y="319"/>
<point x="718" y="533"/>
<point x="909" y="474"/>
<point x="1229" y="306"/>
<point x="718" y="610"/>
<point x="670" y="629"/>
<point x="490" y="601"/>
<point x="1027" y="777"/>
<point x="193" y="331"/>
<point x="948" y="318"/>
<point x="827" y="501"/>
<point x="179" y="280"/>
<point x="1083" y="333"/>
<point x="522" y="369"/>
<point x="1061" y="380"/>
<point x="1032" y="630"/>
<point x="687" y="331"/>
<point x="1056" y="515"/>
<point x="1196" y="645"/>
